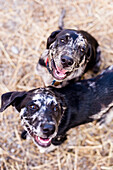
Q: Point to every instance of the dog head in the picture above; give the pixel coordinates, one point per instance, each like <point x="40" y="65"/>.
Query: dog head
<point x="40" y="112"/>
<point x="69" y="51"/>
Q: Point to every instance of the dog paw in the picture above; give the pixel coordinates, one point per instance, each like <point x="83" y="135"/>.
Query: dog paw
<point x="24" y="134"/>
<point x="58" y="140"/>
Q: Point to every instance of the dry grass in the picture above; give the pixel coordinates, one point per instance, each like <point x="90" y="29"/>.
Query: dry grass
<point x="24" y="28"/>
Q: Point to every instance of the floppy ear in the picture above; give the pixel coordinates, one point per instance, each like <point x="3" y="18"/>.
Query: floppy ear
<point x="52" y="38"/>
<point x="90" y="52"/>
<point x="12" y="98"/>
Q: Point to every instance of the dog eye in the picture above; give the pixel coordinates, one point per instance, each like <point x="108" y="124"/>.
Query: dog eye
<point x="62" y="40"/>
<point x="82" y="50"/>
<point x="55" y="108"/>
<point x="33" y="107"/>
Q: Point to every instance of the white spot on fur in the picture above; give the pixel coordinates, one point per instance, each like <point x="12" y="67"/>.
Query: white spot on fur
<point x="23" y="110"/>
<point x="81" y="41"/>
<point x="67" y="34"/>
<point x="47" y="99"/>
<point x="92" y="84"/>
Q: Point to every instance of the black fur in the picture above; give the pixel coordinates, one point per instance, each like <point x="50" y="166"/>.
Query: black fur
<point x="80" y="102"/>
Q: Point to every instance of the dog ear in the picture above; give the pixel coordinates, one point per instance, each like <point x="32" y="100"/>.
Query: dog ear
<point x="12" y="98"/>
<point x="52" y="38"/>
<point x="89" y="52"/>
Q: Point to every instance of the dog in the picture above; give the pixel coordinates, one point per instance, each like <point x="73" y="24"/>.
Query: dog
<point x="69" y="54"/>
<point x="48" y="113"/>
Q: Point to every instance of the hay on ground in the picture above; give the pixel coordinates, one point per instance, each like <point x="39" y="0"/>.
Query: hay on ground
<point x="24" y="28"/>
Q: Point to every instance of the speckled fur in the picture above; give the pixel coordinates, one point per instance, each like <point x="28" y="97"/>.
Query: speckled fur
<point x="78" y="103"/>
<point x="80" y="46"/>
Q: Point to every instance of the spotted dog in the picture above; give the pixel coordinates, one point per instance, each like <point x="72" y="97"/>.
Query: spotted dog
<point x="48" y="113"/>
<point x="69" y="54"/>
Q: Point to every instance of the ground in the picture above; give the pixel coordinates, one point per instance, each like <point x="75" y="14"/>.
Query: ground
<point x="24" y="28"/>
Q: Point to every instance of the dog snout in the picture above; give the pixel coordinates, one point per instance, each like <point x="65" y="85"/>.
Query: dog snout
<point x="66" y="61"/>
<point x="48" y="129"/>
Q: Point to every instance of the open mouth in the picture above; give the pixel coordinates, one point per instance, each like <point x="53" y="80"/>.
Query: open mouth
<point x="43" y="142"/>
<point x="57" y="72"/>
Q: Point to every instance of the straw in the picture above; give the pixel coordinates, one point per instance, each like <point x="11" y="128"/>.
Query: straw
<point x="24" y="28"/>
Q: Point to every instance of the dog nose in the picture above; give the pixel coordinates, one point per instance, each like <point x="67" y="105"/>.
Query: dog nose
<point x="66" y="61"/>
<point x="48" y="129"/>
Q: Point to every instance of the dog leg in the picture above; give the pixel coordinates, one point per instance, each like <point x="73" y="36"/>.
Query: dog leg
<point x="58" y="140"/>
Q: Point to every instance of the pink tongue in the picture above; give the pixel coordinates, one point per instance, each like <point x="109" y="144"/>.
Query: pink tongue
<point x="44" y="139"/>
<point x="41" y="139"/>
<point x="62" y="72"/>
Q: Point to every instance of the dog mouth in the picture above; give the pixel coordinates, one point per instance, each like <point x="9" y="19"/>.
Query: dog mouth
<point x="57" y="72"/>
<point x="43" y="142"/>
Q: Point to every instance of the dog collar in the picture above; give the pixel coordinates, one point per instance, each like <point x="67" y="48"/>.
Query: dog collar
<point x="54" y="82"/>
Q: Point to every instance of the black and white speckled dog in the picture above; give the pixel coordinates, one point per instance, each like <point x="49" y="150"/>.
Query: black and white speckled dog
<point x="69" y="54"/>
<point x="48" y="113"/>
